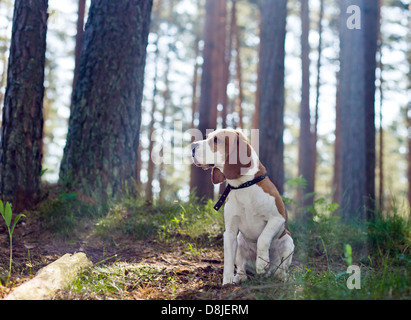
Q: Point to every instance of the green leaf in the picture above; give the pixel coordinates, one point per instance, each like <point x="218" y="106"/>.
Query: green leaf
<point x="312" y="194"/>
<point x="340" y="275"/>
<point x="332" y="207"/>
<point x="1" y="208"/>
<point x="7" y="214"/>
<point x="43" y="171"/>
<point x="348" y="254"/>
<point x="16" y="219"/>
<point x="299" y="182"/>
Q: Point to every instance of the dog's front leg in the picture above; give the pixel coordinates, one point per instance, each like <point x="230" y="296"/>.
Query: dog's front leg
<point x="230" y="243"/>
<point x="230" y="248"/>
<point x="272" y="230"/>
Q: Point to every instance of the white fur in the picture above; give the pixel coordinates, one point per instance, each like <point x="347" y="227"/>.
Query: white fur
<point x="253" y="224"/>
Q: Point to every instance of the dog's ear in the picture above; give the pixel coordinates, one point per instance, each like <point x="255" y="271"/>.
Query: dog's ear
<point x="238" y="159"/>
<point x="217" y="177"/>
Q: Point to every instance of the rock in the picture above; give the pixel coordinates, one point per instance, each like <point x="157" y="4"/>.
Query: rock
<point x="49" y="279"/>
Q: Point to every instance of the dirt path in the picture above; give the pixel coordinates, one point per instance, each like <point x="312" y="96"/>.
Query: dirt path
<point x="182" y="272"/>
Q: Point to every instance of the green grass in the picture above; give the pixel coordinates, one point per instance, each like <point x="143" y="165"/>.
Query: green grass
<point x="65" y="213"/>
<point x="188" y="222"/>
<point x="114" y="281"/>
<point x="381" y="248"/>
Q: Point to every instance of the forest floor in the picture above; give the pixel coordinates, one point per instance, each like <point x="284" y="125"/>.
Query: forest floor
<point x="175" y="251"/>
<point x="149" y="269"/>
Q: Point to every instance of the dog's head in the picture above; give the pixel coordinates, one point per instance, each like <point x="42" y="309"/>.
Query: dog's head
<point x="228" y="153"/>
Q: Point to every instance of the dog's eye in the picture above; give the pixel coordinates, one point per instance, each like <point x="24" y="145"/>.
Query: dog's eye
<point x="216" y="140"/>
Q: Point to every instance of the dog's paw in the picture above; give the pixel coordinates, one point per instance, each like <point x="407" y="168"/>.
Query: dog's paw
<point x="239" y="278"/>
<point x="262" y="266"/>
<point x="228" y="280"/>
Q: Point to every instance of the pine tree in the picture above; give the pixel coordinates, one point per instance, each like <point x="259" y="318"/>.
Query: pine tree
<point x="21" y="141"/>
<point x="100" y="156"/>
<point x="306" y="140"/>
<point x="211" y="82"/>
<point x="271" y="98"/>
<point x="357" y="113"/>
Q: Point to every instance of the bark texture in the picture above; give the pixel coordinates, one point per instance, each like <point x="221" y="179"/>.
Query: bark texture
<point x="271" y="102"/>
<point x="100" y="156"/>
<point x="212" y="87"/>
<point x="357" y="111"/>
<point x="22" y="126"/>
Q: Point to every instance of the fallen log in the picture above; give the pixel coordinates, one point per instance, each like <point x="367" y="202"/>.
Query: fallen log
<point x="51" y="278"/>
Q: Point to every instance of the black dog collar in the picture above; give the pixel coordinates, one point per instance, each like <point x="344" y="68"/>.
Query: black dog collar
<point x="227" y="190"/>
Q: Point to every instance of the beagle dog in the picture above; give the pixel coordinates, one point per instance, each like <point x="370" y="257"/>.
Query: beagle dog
<point x="256" y="237"/>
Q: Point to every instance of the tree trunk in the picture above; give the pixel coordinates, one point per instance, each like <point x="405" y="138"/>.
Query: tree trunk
<point x="211" y="83"/>
<point x="337" y="145"/>
<point x="408" y="117"/>
<point x="371" y="31"/>
<point x="227" y="61"/>
<point x="306" y="143"/>
<point x="194" y="103"/>
<point x="352" y="114"/>
<point x="238" y="67"/>
<point x="357" y="83"/>
<point x="271" y="102"/>
<point x="318" y="86"/>
<point x="381" y="133"/>
<point x="166" y="105"/>
<point x="103" y="137"/>
<point x="150" y="162"/>
<point x="22" y="126"/>
<point x="79" y="42"/>
<point x="256" y="115"/>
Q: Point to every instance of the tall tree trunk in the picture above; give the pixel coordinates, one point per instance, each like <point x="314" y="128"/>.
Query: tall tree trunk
<point x="337" y="145"/>
<point x="104" y="127"/>
<point x="238" y="67"/>
<point x="79" y="42"/>
<point x="227" y="61"/>
<point x="211" y="83"/>
<point x="256" y="115"/>
<point x="318" y="86"/>
<point x="371" y="31"/>
<point x="167" y="102"/>
<point x="226" y="77"/>
<point x="271" y="102"/>
<point x="306" y="141"/>
<point x="150" y="162"/>
<point x="408" y="117"/>
<point x="358" y="63"/>
<point x="194" y="102"/>
<point x="381" y="129"/>
<point x="22" y="127"/>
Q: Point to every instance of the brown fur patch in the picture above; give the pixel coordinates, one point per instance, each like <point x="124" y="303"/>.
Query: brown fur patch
<point x="236" y="142"/>
<point x="217" y="177"/>
<point x="268" y="187"/>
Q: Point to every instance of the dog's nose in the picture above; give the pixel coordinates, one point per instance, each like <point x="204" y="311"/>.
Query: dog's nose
<point x="194" y="146"/>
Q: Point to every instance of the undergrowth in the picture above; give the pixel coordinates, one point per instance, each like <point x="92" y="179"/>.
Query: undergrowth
<point x="65" y="212"/>
<point x="189" y="221"/>
<point x="325" y="248"/>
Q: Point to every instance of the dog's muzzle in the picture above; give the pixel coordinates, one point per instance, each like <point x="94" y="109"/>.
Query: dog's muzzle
<point x="194" y="147"/>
